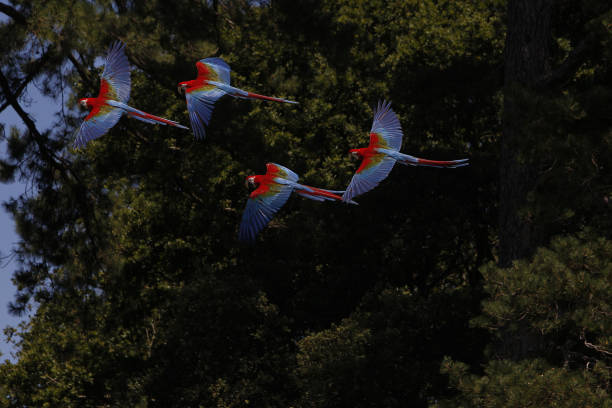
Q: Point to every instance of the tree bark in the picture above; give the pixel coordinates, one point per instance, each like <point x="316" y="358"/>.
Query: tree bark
<point x="527" y="57"/>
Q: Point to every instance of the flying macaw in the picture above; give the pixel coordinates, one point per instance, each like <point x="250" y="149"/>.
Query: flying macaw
<point x="382" y="153"/>
<point x="213" y="82"/>
<point x="272" y="191"/>
<point x="110" y="104"/>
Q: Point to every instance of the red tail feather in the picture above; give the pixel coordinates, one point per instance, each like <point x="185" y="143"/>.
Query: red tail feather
<point x="265" y="98"/>
<point x="321" y="192"/>
<point x="436" y="162"/>
<point x="155" y="118"/>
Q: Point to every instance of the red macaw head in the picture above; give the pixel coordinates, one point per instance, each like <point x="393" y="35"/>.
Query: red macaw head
<point x="182" y="87"/>
<point x="251" y="181"/>
<point x="84" y="102"/>
<point x="355" y="154"/>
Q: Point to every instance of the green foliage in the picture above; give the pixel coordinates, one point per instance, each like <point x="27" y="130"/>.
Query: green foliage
<point x="129" y="246"/>
<point x="566" y="288"/>
<point x="556" y="306"/>
<point x="509" y="384"/>
<point x="388" y="352"/>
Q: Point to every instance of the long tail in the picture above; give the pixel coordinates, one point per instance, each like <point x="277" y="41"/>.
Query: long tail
<point x="252" y="95"/>
<point x="148" y="118"/>
<point x="319" y="194"/>
<point x="408" y="160"/>
<point x="239" y="93"/>
<point x="145" y="117"/>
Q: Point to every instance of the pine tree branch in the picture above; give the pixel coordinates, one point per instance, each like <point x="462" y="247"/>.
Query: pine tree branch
<point x="83" y="73"/>
<point x="595" y="347"/>
<point x="13" y="13"/>
<point x="215" y="5"/>
<point x="53" y="159"/>
<point x="563" y="72"/>
<point x="21" y="19"/>
<point x="33" y="72"/>
<point x="12" y="100"/>
<point x="121" y="6"/>
<point x="59" y="163"/>
<point x="143" y="67"/>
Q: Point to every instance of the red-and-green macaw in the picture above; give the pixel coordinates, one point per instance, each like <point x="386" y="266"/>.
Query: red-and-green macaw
<point x="378" y="158"/>
<point x="213" y="82"/>
<point x="271" y="193"/>
<point x="110" y="104"/>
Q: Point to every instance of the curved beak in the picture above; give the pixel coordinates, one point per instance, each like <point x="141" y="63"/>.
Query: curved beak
<point x="180" y="89"/>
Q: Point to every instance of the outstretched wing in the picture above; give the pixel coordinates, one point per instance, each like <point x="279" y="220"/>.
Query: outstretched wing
<point x="97" y="123"/>
<point x="200" y="104"/>
<point x="115" y="83"/>
<point x="202" y="96"/>
<point x="386" y="129"/>
<point x="372" y="171"/>
<point x="214" y="69"/>
<point x="263" y="203"/>
<point x="281" y="171"/>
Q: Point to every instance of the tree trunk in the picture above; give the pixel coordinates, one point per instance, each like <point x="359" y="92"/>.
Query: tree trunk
<point x="527" y="54"/>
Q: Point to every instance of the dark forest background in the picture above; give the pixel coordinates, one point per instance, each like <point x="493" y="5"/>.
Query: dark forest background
<point x="485" y="286"/>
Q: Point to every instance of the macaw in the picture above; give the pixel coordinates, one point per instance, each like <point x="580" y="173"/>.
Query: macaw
<point x="213" y="82"/>
<point x="378" y="158"/>
<point x="110" y="104"/>
<point x="272" y="191"/>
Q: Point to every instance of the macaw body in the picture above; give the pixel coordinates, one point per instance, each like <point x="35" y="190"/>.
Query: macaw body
<point x="378" y="158"/>
<point x="110" y="104"/>
<point x="212" y="83"/>
<point x="272" y="192"/>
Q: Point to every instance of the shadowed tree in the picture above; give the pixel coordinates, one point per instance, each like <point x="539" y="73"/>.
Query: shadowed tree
<point x="129" y="247"/>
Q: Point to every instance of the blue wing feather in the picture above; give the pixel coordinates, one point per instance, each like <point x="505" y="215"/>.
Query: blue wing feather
<point x="220" y="67"/>
<point x="387" y="125"/>
<point x="289" y="174"/>
<point x="96" y="126"/>
<point x="260" y="210"/>
<point x="200" y="105"/>
<point x="117" y="71"/>
<point x="368" y="179"/>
